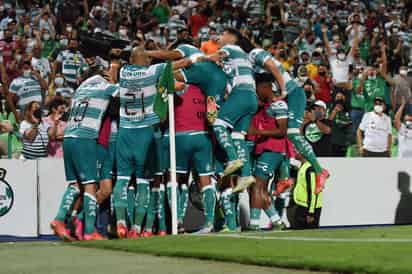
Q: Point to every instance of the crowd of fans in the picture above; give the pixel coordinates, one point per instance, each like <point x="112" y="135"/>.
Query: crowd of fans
<point x="353" y="59"/>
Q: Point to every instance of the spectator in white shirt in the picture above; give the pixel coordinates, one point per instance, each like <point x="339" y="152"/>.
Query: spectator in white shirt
<point x="374" y="134"/>
<point x="404" y="128"/>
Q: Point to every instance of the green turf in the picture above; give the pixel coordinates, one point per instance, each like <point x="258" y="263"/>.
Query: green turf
<point x="52" y="258"/>
<point x="349" y="257"/>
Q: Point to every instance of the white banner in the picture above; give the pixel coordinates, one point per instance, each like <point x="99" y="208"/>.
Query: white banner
<point x="18" y="198"/>
<point x="52" y="184"/>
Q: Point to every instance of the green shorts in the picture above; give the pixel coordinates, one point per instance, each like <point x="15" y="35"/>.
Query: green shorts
<point x="238" y="109"/>
<point x="80" y="160"/>
<point x="106" y="161"/>
<point x="194" y="149"/>
<point x="296" y="106"/>
<point x="132" y="147"/>
<point x="157" y="162"/>
<point x="212" y="85"/>
<point x="267" y="163"/>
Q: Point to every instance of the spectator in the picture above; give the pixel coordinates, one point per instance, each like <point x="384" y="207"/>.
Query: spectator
<point x="403" y="88"/>
<point x="374" y="136"/>
<point x="357" y="100"/>
<point x="197" y="21"/>
<point x="41" y="64"/>
<point x="57" y="109"/>
<point x="162" y="12"/>
<point x="317" y="129"/>
<point x="70" y="63"/>
<point x="324" y="84"/>
<point x="211" y="46"/>
<point x="404" y="127"/>
<point x="341" y="125"/>
<point x="8" y="124"/>
<point x="28" y="87"/>
<point x="35" y="133"/>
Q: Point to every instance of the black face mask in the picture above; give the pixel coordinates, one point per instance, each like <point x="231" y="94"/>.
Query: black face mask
<point x="73" y="50"/>
<point x="322" y="73"/>
<point x="65" y="117"/>
<point x="37" y="114"/>
<point x="8" y="39"/>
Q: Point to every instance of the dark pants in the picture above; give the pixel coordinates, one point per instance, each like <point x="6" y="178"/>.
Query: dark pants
<point x="297" y="216"/>
<point x="371" y="154"/>
<point x="339" y="150"/>
<point x="356" y="116"/>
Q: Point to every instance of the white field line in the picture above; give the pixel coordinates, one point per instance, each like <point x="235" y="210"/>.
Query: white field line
<point x="308" y="239"/>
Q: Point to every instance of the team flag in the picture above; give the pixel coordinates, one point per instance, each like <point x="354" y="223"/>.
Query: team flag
<point x="166" y="85"/>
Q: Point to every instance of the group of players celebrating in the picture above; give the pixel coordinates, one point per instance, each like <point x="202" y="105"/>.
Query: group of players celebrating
<point x="237" y="119"/>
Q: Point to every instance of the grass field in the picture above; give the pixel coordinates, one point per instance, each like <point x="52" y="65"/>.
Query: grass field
<point x="368" y="250"/>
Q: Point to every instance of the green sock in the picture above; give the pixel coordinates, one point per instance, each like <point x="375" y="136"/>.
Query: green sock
<point x="120" y="199"/>
<point x="255" y="216"/>
<point x="284" y="169"/>
<point x="131" y="197"/>
<point x="151" y="211"/>
<point x="279" y="205"/>
<point x="304" y="148"/>
<point x="209" y="203"/>
<point x="272" y="213"/>
<point x="236" y="207"/>
<point x="66" y="205"/>
<point x="161" y="209"/>
<point x="184" y="198"/>
<point x="142" y="202"/>
<point x="229" y="211"/>
<point x="169" y="196"/>
<point x="243" y="154"/>
<point x="224" y="139"/>
<point x="90" y="209"/>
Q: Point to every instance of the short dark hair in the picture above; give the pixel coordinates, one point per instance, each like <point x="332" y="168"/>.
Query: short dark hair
<point x="55" y="103"/>
<point x="264" y="78"/>
<point x="235" y="33"/>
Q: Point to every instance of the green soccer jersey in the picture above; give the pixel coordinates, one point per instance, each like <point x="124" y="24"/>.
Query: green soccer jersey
<point x="72" y="65"/>
<point x="375" y="88"/>
<point x="138" y="88"/>
<point x="27" y="89"/>
<point x="238" y="68"/>
<point x="88" y="106"/>
<point x="189" y="51"/>
<point x="278" y="110"/>
<point x="357" y="100"/>
<point x="258" y="58"/>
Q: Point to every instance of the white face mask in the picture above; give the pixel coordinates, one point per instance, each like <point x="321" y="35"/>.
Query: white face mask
<point x="69" y="29"/>
<point x="378" y="108"/>
<point x="372" y="77"/>
<point x="214" y="37"/>
<point x="123" y="32"/>
<point x="18" y="58"/>
<point x="59" y="81"/>
<point x="46" y="37"/>
<point x="403" y="72"/>
<point x="27" y="73"/>
<point x="64" y="42"/>
<point x="408" y="124"/>
<point x="341" y="56"/>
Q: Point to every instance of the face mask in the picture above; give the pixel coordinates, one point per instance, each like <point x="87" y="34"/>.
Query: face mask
<point x="322" y="73"/>
<point x="27" y="73"/>
<point x="395" y="30"/>
<point x="372" y="77"/>
<point x="9" y="39"/>
<point x="341" y="57"/>
<point x="73" y="50"/>
<point x="335" y="39"/>
<point x="378" y="108"/>
<point x="214" y="37"/>
<point x="316" y="62"/>
<point x="318" y="115"/>
<point x="18" y="58"/>
<point x="123" y="32"/>
<point x="403" y="72"/>
<point x="69" y="29"/>
<point x="46" y="37"/>
<point x="64" y="42"/>
<point x="408" y="124"/>
<point x="37" y="114"/>
<point x="303" y="79"/>
<point x="59" y="81"/>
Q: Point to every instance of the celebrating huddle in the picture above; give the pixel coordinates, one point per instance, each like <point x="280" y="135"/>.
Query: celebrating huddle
<point x="237" y="120"/>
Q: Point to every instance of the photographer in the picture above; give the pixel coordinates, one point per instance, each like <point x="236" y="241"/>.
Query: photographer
<point x="317" y="129"/>
<point x="35" y="133"/>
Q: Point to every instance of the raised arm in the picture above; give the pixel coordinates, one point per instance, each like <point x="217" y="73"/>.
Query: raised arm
<point x="326" y="40"/>
<point x="165" y="54"/>
<point x="271" y="66"/>
<point x="398" y="115"/>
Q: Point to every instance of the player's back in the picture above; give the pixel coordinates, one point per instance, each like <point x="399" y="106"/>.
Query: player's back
<point x="89" y="103"/>
<point x="238" y="68"/>
<point x="138" y="88"/>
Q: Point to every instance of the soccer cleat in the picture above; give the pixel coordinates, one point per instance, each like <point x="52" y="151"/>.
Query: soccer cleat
<point x="282" y="186"/>
<point x="146" y="234"/>
<point x="226" y="229"/>
<point x="95" y="236"/>
<point x="253" y="228"/>
<point x="278" y="225"/>
<point x="121" y="231"/>
<point x="162" y="233"/>
<point x="60" y="230"/>
<point x="232" y="167"/>
<point x="205" y="230"/>
<point x="243" y="183"/>
<point x="78" y="228"/>
<point x="211" y="110"/>
<point x="180" y="228"/>
<point x="133" y="234"/>
<point x="321" y="180"/>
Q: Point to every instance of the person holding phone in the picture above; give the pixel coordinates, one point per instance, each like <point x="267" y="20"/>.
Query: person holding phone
<point x="35" y="134"/>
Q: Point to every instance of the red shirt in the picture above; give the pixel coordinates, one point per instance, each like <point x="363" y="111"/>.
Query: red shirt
<point x="197" y="21"/>
<point x="190" y="115"/>
<point x="324" y="93"/>
<point x="7" y="51"/>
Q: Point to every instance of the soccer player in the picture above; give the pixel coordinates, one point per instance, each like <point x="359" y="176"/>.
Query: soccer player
<point x="80" y="152"/>
<point x="239" y="107"/>
<point x="208" y="76"/>
<point x="138" y="88"/>
<point x="268" y="130"/>
<point x="263" y="61"/>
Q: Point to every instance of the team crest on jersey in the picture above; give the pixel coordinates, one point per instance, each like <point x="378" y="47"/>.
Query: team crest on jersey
<point x="6" y="194"/>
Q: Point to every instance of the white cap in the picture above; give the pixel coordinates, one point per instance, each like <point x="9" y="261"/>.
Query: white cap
<point x="320" y="103"/>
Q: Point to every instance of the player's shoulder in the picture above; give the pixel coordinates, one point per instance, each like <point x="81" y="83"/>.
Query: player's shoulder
<point x="279" y="105"/>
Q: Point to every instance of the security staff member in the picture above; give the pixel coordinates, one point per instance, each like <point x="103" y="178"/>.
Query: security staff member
<point x="306" y="206"/>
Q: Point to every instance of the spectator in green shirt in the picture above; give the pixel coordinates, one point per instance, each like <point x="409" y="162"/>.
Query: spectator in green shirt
<point x="357" y="100"/>
<point x="341" y="125"/>
<point x="162" y="12"/>
<point x="49" y="44"/>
